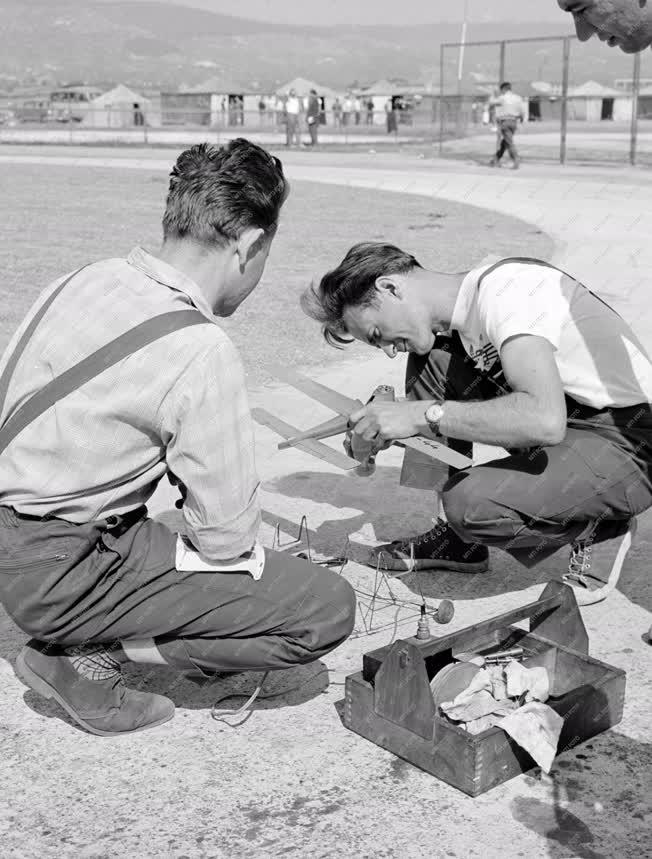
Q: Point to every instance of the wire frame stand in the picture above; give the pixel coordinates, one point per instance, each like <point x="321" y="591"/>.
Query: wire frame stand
<point x="371" y="605"/>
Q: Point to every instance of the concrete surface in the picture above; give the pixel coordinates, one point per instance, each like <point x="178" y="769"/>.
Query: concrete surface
<point x="292" y="781"/>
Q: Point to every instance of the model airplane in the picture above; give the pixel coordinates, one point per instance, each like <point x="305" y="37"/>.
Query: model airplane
<point x="308" y="440"/>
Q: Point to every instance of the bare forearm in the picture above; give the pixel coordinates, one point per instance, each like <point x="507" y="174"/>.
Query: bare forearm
<point x="514" y="420"/>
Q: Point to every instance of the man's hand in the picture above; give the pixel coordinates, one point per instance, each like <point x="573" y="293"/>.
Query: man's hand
<point x="382" y="422"/>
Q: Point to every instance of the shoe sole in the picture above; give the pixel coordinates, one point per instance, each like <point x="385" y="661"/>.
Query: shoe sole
<point x="42" y="687"/>
<point x="400" y="565"/>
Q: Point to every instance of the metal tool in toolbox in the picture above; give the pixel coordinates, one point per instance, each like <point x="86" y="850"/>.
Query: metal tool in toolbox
<point x="310" y="440"/>
<point x="390" y="701"/>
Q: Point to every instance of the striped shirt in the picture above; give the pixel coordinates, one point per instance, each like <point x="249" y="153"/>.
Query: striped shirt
<point x="178" y="405"/>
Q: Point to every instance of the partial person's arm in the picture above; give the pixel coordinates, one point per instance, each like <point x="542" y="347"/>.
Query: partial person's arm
<point x="209" y="438"/>
<point x="534" y="414"/>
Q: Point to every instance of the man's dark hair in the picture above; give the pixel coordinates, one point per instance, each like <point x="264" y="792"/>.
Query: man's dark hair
<point x="353" y="284"/>
<point x="505" y="85"/>
<point x="217" y="192"/>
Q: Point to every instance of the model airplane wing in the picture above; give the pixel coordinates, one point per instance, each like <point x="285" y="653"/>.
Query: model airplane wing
<point x="345" y="405"/>
<point x="316" y="448"/>
<point x="326" y="396"/>
<point x="435" y="450"/>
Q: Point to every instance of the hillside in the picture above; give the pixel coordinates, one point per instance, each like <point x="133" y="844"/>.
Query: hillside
<point x="155" y="45"/>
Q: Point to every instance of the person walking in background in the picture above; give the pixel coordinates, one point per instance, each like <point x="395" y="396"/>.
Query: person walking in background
<point x="509" y="111"/>
<point x="370" y="111"/>
<point x="262" y="109"/>
<point x="292" y="114"/>
<point x="312" y="116"/>
<point x="357" y="107"/>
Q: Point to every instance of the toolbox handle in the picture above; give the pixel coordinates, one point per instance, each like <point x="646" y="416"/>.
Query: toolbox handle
<point x="555" y="616"/>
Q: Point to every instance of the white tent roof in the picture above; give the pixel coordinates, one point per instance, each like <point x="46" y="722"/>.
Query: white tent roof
<point x="303" y="87"/>
<point x="593" y="88"/>
<point x="120" y="94"/>
<point x="383" y="87"/>
<point x="219" y="86"/>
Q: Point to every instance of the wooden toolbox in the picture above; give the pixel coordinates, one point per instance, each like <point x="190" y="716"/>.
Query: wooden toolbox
<point x="390" y="702"/>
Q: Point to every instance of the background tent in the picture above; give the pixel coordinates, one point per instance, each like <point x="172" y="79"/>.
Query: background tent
<point x="115" y="109"/>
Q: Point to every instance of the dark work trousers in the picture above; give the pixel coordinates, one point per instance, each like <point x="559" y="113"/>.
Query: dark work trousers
<point x="107" y="582"/>
<point x="506" y="131"/>
<point x="534" y="501"/>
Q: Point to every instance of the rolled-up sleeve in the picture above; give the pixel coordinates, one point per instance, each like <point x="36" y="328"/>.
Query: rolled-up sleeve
<point x="210" y="449"/>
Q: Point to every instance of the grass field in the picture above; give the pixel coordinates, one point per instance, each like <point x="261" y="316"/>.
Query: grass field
<point x="58" y="218"/>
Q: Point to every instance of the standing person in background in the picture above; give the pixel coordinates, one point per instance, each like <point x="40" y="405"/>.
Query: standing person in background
<point x="312" y="116"/>
<point x="292" y="114"/>
<point x="390" y="115"/>
<point x="370" y="111"/>
<point x="509" y="111"/>
<point x="347" y="108"/>
<point x="262" y="108"/>
<point x="337" y="112"/>
<point x="357" y="107"/>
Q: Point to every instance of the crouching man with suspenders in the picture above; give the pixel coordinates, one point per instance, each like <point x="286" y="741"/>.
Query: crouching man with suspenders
<point x="118" y="376"/>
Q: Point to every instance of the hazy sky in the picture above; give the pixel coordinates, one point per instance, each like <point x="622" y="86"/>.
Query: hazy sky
<point x="415" y="12"/>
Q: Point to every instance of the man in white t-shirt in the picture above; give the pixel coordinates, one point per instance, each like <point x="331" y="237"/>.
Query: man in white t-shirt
<point x="509" y="110"/>
<point x="521" y="356"/>
<point x="293" y="107"/>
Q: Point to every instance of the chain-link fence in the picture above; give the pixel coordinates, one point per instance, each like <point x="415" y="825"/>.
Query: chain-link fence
<point x="405" y="121"/>
<point x="569" y="115"/>
<point x="576" y="111"/>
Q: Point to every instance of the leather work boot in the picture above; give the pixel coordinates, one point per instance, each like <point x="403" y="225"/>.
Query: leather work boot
<point x="595" y="565"/>
<point x="437" y="549"/>
<point x="87" y="682"/>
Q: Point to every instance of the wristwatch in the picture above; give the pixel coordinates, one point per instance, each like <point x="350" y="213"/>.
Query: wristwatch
<point x="433" y="416"/>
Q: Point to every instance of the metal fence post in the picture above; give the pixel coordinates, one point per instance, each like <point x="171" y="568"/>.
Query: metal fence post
<point x="441" y="99"/>
<point x="636" y="87"/>
<point x="564" y="102"/>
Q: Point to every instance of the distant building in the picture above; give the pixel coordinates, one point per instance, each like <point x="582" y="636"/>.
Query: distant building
<point x="122" y="107"/>
<point x="216" y="101"/>
<point x="72" y="103"/>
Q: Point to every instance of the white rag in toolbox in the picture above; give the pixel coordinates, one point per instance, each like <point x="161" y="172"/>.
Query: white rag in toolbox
<point x="489" y="700"/>
<point x="189" y="560"/>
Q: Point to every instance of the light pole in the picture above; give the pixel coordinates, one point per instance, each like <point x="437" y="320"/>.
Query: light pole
<point x="460" y="65"/>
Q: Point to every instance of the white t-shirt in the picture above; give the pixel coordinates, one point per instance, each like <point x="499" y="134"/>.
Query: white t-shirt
<point x="509" y="104"/>
<point x="601" y="362"/>
<point x="293" y="105"/>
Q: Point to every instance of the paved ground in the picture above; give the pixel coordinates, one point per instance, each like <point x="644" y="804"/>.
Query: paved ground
<point x="292" y="780"/>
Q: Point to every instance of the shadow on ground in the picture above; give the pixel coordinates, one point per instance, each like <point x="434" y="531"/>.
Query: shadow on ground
<point x="579" y="801"/>
<point x="392" y="512"/>
<point x="287" y="688"/>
